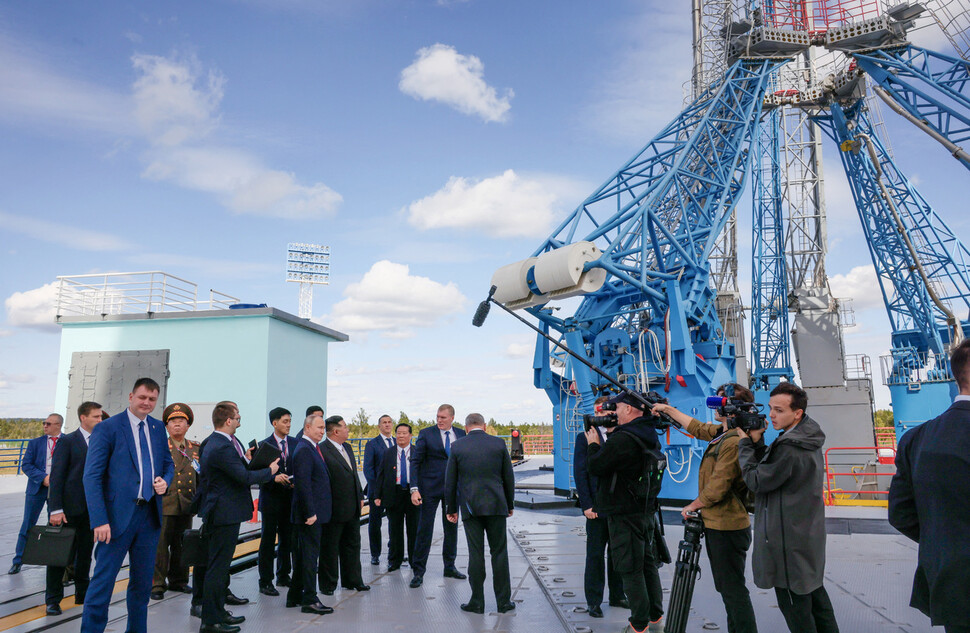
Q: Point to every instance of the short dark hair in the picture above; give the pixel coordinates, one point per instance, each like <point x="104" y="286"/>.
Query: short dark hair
<point x="221" y="414"/>
<point x="400" y="424"/>
<point x="382" y="416"/>
<point x="333" y="422"/>
<point x="278" y="413"/>
<point x="740" y="392"/>
<point x="314" y="408"/>
<point x="147" y="383"/>
<point x="960" y="364"/>
<point x="87" y="407"/>
<point x="799" y="399"/>
<point x="447" y="407"/>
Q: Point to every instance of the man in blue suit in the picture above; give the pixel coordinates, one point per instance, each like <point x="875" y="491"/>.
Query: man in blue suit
<point x="928" y="503"/>
<point x="36" y="464"/>
<point x="128" y="469"/>
<point x="373" y="456"/>
<point x="312" y="507"/>
<point x="429" y="460"/>
<point x="275" y="499"/>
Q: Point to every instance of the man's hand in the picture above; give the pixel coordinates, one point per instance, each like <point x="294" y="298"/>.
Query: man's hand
<point x="377" y="502"/>
<point x="416" y="498"/>
<point x="754" y="436"/>
<point x="588" y="512"/>
<point x="102" y="533"/>
<point x="282" y="478"/>
<point x="159" y="485"/>
<point x="510" y="512"/>
<point x="693" y="506"/>
<point x="275" y="466"/>
<point x="249" y="454"/>
<point x="453" y="517"/>
<point x="47" y="481"/>
<point x="311" y="520"/>
<point x="58" y="519"/>
<point x="362" y="504"/>
<point x="592" y="436"/>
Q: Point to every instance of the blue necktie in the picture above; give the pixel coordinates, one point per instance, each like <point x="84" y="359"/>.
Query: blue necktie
<point x="404" y="470"/>
<point x="146" y="463"/>
<point x="448" y="443"/>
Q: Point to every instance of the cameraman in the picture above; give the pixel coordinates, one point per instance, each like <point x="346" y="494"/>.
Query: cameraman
<point x="629" y="502"/>
<point x="789" y="520"/>
<point x="720" y="501"/>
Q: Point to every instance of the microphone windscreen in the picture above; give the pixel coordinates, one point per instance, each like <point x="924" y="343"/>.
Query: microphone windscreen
<point x="714" y="402"/>
<point x="481" y="313"/>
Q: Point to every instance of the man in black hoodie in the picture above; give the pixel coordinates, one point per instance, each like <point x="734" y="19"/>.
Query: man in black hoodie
<point x="628" y="497"/>
<point x="789" y="518"/>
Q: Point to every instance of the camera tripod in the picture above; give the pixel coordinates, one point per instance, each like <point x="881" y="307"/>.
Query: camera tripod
<point x="686" y="571"/>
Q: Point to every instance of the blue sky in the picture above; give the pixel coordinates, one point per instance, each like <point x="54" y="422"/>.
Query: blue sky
<point x="428" y="143"/>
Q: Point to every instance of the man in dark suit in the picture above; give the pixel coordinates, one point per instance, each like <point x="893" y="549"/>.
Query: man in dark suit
<point x="275" y="499"/>
<point x="68" y="507"/>
<point x="36" y="464"/>
<point x="127" y="471"/>
<point x="392" y="493"/>
<point x="373" y="454"/>
<point x="596" y="573"/>
<point x="480" y="473"/>
<point x="341" y="535"/>
<point x="227" y="503"/>
<point x="928" y="503"/>
<point x="429" y="459"/>
<point x="311" y="509"/>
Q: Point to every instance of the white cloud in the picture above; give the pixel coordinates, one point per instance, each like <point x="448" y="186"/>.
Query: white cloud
<point x="390" y="300"/>
<point x="860" y="284"/>
<point x="33" y="308"/>
<point x="174" y="103"/>
<point x="519" y="350"/>
<point x="70" y="236"/>
<point x="7" y="381"/>
<point x="502" y="206"/>
<point x="440" y="73"/>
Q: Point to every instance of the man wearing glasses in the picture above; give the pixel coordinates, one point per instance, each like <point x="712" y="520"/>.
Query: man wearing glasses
<point x="36" y="464"/>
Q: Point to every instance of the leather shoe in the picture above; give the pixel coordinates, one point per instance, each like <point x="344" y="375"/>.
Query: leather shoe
<point x="360" y="587"/>
<point x="234" y="600"/>
<point x="416" y="582"/>
<point x="219" y="628"/>
<point x="327" y="592"/>
<point x="595" y="611"/>
<point x="623" y="603"/>
<point x="393" y="567"/>
<point x="317" y="607"/>
<point x="454" y="573"/>
<point x="283" y="581"/>
<point x="269" y="590"/>
<point x="158" y="595"/>
<point x="292" y="603"/>
<point x="196" y="611"/>
<point x="505" y="608"/>
<point x="14" y="569"/>
<point x="181" y="588"/>
<point x="231" y="619"/>
<point x="471" y="607"/>
<point x="375" y="560"/>
<point x="54" y="609"/>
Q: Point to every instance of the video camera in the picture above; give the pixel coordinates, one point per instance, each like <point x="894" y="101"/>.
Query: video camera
<point x="609" y="420"/>
<point x="743" y="415"/>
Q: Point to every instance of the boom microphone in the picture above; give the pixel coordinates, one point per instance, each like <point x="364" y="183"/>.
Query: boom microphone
<point x="482" y="312"/>
<point x="713" y="402"/>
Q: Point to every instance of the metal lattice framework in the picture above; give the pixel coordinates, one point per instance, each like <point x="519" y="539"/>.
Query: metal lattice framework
<point x="953" y="17"/>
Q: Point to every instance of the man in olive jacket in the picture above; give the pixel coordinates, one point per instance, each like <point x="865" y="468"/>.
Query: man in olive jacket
<point x="789" y="519"/>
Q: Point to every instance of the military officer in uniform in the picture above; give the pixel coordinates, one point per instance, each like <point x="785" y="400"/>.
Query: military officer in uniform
<point x="177" y="515"/>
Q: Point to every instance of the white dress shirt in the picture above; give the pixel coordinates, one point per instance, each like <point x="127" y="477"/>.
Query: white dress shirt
<point x="407" y="463"/>
<point x="962" y="397"/>
<point x="134" y="421"/>
<point x="340" y="448"/>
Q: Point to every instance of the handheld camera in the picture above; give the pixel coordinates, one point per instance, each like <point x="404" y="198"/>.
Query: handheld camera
<point x="742" y="415"/>
<point x="609" y="420"/>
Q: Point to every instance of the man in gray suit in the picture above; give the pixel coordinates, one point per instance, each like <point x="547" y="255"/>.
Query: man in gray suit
<point x="480" y="474"/>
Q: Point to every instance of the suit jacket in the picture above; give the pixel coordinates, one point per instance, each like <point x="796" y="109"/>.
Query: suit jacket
<point x="586" y="483"/>
<point x="311" y="481"/>
<point x="67" y="475"/>
<point x="429" y="461"/>
<point x="373" y="454"/>
<point x="178" y="498"/>
<point x="385" y="486"/>
<point x="927" y="503"/>
<point x="112" y="471"/>
<point x="227" y="498"/>
<point x="34" y="465"/>
<point x="273" y="495"/>
<point x="345" y="490"/>
<point x="480" y="473"/>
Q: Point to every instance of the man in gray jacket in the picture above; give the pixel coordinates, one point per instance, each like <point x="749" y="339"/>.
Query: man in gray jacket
<point x="789" y="520"/>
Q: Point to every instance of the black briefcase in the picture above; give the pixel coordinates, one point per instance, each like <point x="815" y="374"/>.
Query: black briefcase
<point x="50" y="546"/>
<point x="195" y="550"/>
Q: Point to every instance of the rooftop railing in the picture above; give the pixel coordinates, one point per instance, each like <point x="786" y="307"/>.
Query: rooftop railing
<point x="133" y="293"/>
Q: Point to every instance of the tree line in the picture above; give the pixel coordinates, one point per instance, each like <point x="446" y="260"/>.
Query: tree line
<point x="361" y="426"/>
<point x="21" y="428"/>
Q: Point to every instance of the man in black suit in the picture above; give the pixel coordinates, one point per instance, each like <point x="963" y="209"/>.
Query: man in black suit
<point x="275" y="499"/>
<point x="392" y="493"/>
<point x="480" y="472"/>
<point x="311" y="509"/>
<point x="341" y="536"/>
<point x="227" y="503"/>
<point x="928" y="503"/>
<point x="373" y="454"/>
<point x="429" y="459"/>
<point x="69" y="507"/>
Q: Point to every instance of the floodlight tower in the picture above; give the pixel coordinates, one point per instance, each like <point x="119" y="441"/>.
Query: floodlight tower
<point x="307" y="264"/>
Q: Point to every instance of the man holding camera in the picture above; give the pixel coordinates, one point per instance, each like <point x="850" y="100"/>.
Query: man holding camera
<point x="789" y="521"/>
<point x="720" y="501"/>
<point x="628" y="498"/>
